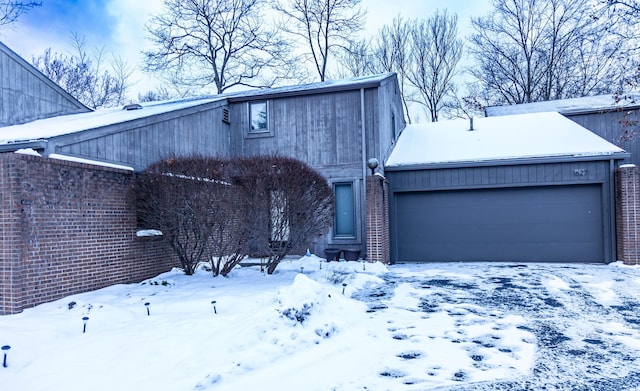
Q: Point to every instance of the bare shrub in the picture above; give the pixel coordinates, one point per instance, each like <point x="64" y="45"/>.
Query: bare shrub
<point x="288" y="204"/>
<point x="189" y="201"/>
<point x="220" y="211"/>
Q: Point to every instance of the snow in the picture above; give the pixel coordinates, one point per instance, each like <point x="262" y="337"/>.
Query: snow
<point x="67" y="124"/>
<point x="148" y="232"/>
<point x="568" y="106"/>
<point x="314" y="325"/>
<point x="522" y="136"/>
<point x="28" y="151"/>
<point x="89" y="161"/>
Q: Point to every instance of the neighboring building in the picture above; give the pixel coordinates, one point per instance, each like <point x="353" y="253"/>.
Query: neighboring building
<point x="522" y="188"/>
<point x="26" y="94"/>
<point x="602" y="114"/>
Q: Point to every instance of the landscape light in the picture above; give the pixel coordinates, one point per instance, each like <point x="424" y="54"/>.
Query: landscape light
<point x="301" y="269"/>
<point x="213" y="303"/>
<point x="344" y="285"/>
<point x="147" y="304"/>
<point x="5" y="349"/>
<point x="84" y="323"/>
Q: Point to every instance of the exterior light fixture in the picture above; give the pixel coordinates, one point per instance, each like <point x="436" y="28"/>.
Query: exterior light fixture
<point x="372" y="164"/>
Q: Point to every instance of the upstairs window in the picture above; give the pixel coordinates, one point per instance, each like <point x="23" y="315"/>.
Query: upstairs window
<point x="258" y="117"/>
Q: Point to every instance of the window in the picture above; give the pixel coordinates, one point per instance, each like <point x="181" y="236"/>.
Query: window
<point x="393" y="126"/>
<point x="344" y="225"/>
<point x="258" y="118"/>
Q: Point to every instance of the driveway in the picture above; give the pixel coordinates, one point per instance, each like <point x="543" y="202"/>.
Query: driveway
<point x="575" y="326"/>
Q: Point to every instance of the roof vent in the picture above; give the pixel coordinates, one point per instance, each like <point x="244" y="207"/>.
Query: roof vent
<point x="225" y="115"/>
<point x="132" y="106"/>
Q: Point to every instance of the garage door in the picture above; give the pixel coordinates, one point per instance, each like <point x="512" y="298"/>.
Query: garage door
<point x="550" y="223"/>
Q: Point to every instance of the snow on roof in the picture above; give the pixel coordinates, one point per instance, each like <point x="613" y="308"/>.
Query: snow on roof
<point x="66" y="124"/>
<point x="497" y="138"/>
<point x="58" y="126"/>
<point x="568" y="106"/>
<point x="354" y="82"/>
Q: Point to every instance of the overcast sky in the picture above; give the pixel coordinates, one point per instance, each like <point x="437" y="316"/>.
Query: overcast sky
<point x="119" y="24"/>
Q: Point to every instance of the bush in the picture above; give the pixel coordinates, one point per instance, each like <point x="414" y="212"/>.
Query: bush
<point x="288" y="204"/>
<point x="224" y="210"/>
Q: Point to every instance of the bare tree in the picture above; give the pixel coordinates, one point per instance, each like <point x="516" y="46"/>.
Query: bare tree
<point x="357" y="60"/>
<point x="224" y="43"/>
<point x="85" y="77"/>
<point x="10" y="11"/>
<point x="326" y="27"/>
<point x="436" y="51"/>
<point x="534" y="50"/>
<point x="392" y="54"/>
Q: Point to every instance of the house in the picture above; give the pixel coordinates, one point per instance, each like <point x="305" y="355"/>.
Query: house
<point x="528" y="187"/>
<point x="70" y="226"/>
<point x="335" y="127"/>
<point x="512" y="188"/>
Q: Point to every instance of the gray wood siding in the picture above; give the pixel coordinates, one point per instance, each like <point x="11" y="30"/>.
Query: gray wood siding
<point x="199" y="133"/>
<point x="388" y="102"/>
<point x="27" y="95"/>
<point x="499" y="176"/>
<point x="608" y="126"/>
<point x="321" y="129"/>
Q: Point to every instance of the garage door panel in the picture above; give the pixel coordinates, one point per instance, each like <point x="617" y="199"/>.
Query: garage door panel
<point x="552" y="223"/>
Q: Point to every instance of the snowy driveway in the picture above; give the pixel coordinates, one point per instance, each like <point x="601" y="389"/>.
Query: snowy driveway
<point x="564" y="327"/>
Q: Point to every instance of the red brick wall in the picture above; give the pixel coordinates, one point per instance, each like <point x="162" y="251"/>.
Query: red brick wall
<point x="628" y="214"/>
<point x="377" y="221"/>
<point x="68" y="228"/>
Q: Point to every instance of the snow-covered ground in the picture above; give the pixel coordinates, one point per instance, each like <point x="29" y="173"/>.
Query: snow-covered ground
<point x="334" y="326"/>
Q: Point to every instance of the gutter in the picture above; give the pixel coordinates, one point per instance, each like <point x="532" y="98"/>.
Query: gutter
<point x="33" y="144"/>
<point x="508" y="162"/>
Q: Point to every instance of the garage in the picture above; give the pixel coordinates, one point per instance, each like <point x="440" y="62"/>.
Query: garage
<point x="547" y="223"/>
<point x="522" y="188"/>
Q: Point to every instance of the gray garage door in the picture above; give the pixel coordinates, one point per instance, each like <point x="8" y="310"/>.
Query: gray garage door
<point x="550" y="223"/>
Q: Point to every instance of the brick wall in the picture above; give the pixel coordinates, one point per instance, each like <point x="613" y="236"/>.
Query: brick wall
<point x="67" y="228"/>
<point x="377" y="221"/>
<point x="628" y="214"/>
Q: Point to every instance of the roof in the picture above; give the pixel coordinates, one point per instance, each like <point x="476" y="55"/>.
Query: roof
<point x="62" y="125"/>
<point x="505" y="138"/>
<point x="67" y="124"/>
<point x="584" y="105"/>
<point x="312" y="88"/>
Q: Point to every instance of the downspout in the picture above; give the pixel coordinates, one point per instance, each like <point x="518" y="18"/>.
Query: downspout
<point x="613" y="250"/>
<point x="363" y="187"/>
